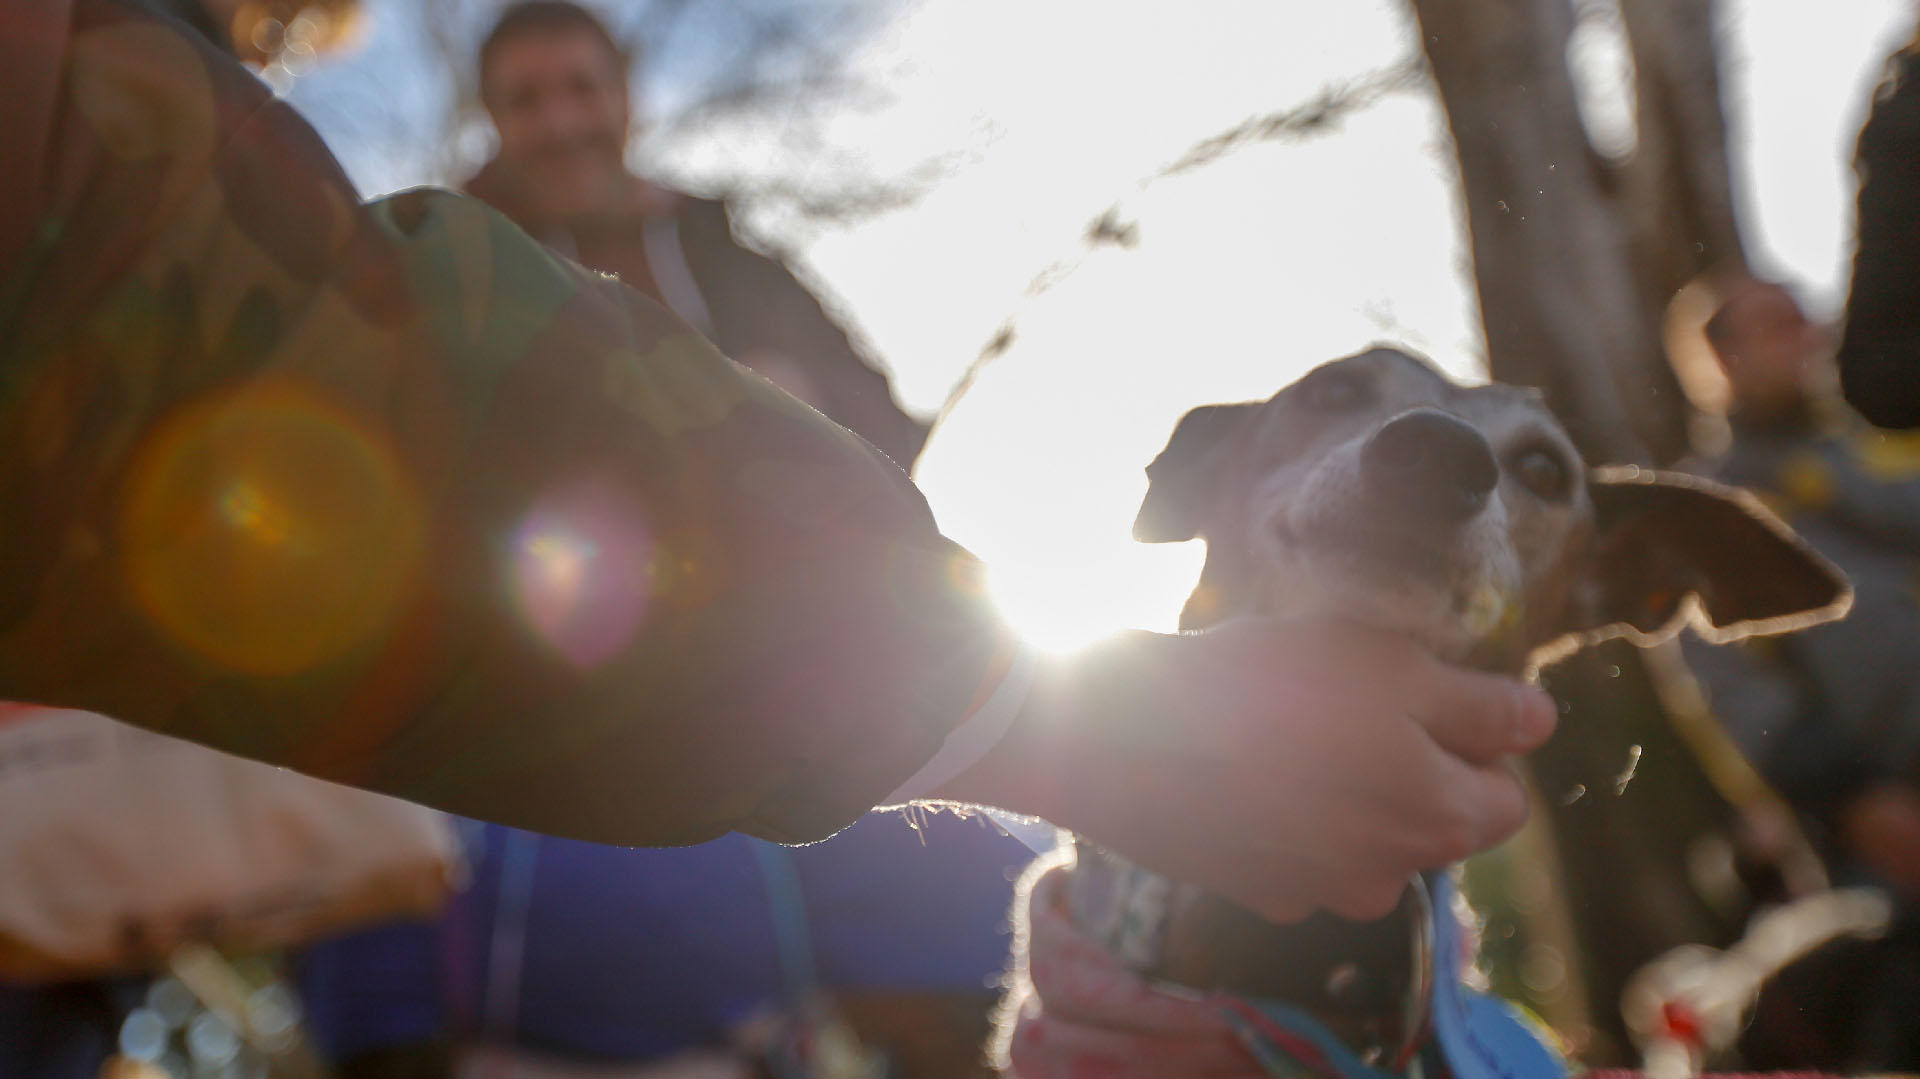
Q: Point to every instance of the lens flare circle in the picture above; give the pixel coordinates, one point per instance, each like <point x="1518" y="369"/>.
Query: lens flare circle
<point x="582" y="570"/>
<point x="270" y="530"/>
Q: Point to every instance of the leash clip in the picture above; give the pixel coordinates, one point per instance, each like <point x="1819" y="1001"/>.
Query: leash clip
<point x="1417" y="1013"/>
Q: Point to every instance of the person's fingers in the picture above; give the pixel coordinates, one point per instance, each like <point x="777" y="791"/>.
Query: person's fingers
<point x="1482" y="717"/>
<point x="1484" y="804"/>
<point x="1286" y="767"/>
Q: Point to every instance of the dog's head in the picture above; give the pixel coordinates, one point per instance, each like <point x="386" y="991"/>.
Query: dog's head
<point x="1376" y="490"/>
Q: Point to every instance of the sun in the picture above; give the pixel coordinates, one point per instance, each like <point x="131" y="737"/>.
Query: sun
<point x="1105" y="588"/>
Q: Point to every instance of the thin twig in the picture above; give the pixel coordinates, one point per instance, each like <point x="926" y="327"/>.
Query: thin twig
<point x="1114" y="228"/>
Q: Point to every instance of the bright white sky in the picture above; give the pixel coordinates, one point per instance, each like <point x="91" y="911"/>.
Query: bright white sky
<point x="1247" y="272"/>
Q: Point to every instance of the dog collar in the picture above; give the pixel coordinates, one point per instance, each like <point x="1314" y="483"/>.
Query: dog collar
<point x="1438" y="1026"/>
<point x="1455" y="1032"/>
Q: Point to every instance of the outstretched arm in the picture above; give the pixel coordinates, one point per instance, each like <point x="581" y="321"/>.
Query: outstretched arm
<point x="392" y="496"/>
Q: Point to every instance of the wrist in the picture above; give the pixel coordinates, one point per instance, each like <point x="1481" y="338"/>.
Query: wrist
<point x="1080" y="710"/>
<point x="976" y="736"/>
<point x="1021" y="773"/>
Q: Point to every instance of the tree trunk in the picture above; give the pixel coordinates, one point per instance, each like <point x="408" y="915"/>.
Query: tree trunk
<point x="1576" y="259"/>
<point x="1677" y="189"/>
<point x="1560" y="297"/>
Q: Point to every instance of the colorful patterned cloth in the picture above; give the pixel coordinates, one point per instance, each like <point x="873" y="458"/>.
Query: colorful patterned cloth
<point x="391" y="495"/>
<point x="1078" y="1011"/>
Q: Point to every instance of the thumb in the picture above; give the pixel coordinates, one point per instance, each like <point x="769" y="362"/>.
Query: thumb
<point x="1483" y="717"/>
<point x="1492" y="802"/>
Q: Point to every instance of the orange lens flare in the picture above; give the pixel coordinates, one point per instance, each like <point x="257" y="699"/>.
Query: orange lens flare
<point x="269" y="530"/>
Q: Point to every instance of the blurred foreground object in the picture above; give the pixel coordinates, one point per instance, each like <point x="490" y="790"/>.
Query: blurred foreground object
<point x="136" y="864"/>
<point x="125" y="845"/>
<point x="1693" y="1001"/>
<point x="209" y="1018"/>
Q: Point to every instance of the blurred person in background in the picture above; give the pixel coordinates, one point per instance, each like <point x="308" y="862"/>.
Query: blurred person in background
<point x="391" y="495"/>
<point x="555" y="83"/>
<point x="1879" y="354"/>
<point x="1830" y="716"/>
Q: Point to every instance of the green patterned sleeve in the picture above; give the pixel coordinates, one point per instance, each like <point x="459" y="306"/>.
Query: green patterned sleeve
<point x="391" y="495"/>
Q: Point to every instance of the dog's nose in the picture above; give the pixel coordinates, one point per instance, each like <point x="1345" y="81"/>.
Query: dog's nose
<point x="1432" y="463"/>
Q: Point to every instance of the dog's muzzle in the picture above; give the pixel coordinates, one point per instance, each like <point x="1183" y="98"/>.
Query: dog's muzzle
<point x="1430" y="465"/>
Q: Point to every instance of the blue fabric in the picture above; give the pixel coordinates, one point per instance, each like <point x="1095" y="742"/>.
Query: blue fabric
<point x="1481" y="1037"/>
<point x="374" y="989"/>
<point x="632" y="954"/>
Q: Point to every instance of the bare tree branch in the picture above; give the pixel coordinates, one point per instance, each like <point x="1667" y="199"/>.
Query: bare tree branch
<point x="843" y="202"/>
<point x="1679" y="182"/>
<point x="1327" y="108"/>
<point x="1551" y="257"/>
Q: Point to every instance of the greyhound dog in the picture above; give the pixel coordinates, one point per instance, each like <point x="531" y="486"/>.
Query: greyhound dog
<point x="1375" y="490"/>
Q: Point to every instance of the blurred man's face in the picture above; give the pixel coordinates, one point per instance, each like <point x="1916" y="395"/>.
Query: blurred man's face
<point x="1770" y="350"/>
<point x="559" y="103"/>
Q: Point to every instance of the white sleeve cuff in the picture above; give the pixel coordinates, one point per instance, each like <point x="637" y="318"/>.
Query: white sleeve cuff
<point x="976" y="735"/>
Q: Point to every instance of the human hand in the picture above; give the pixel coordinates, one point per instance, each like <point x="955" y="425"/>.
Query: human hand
<point x="1286" y="766"/>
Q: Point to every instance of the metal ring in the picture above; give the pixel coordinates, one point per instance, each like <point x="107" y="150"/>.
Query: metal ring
<point x="1419" y="1007"/>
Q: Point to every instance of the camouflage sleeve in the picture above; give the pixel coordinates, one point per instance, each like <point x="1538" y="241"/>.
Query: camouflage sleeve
<point x="390" y="495"/>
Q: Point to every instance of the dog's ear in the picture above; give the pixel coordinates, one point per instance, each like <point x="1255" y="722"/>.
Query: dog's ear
<point x="1669" y="549"/>
<point x="1182" y="482"/>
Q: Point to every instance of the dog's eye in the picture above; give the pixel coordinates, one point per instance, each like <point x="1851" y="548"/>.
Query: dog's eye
<point x="1543" y="472"/>
<point x="1335" y="393"/>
